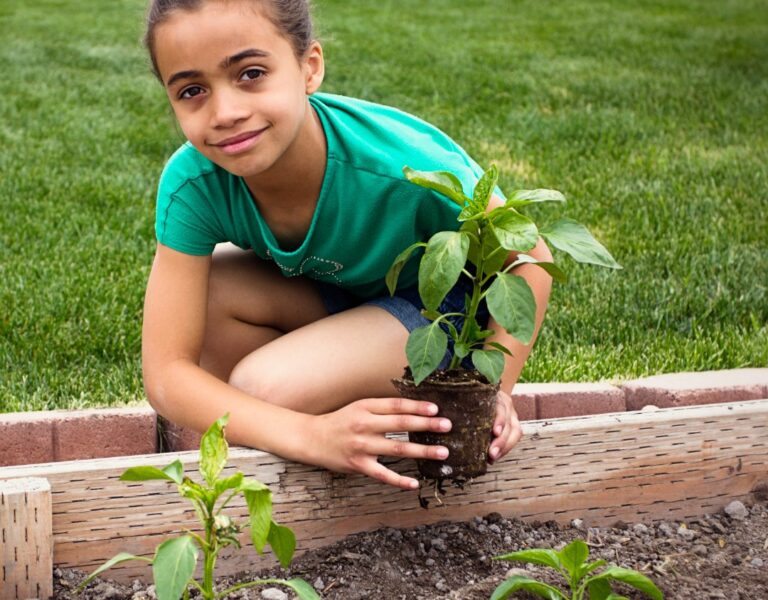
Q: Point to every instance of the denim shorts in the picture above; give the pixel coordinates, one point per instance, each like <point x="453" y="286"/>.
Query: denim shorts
<point x="406" y="306"/>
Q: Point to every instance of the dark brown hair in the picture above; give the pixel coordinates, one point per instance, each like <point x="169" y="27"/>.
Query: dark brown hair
<point x="291" y="17"/>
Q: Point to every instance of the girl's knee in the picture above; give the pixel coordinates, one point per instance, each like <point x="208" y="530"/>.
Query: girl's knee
<point x="265" y="383"/>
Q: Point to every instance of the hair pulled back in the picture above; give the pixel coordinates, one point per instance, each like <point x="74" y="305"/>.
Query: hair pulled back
<point x="291" y="17"/>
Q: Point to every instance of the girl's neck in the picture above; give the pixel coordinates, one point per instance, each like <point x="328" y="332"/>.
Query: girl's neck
<point x="297" y="176"/>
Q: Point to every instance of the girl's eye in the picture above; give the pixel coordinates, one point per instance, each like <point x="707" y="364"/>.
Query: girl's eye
<point x="190" y="92"/>
<point x="252" y="74"/>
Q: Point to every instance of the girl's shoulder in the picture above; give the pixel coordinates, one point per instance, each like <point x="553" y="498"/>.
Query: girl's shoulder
<point x="186" y="165"/>
<point x="381" y="138"/>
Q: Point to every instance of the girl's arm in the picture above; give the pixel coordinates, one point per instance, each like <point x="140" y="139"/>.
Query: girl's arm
<point x="347" y="440"/>
<point x="175" y="310"/>
<point x="506" y="429"/>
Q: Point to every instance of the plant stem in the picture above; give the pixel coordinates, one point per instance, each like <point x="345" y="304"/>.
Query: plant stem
<point x="210" y="558"/>
<point x="471" y="312"/>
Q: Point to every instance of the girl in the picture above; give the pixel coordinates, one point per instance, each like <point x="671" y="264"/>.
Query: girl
<point x="276" y="224"/>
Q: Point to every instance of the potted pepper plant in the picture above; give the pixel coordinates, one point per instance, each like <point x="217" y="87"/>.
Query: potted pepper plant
<point x="478" y="250"/>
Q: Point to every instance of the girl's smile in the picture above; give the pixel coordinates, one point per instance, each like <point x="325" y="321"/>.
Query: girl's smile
<point x="239" y="91"/>
<point x="239" y="143"/>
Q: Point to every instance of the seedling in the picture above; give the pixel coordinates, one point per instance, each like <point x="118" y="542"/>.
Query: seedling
<point x="173" y="565"/>
<point x="571" y="563"/>
<point x="479" y="250"/>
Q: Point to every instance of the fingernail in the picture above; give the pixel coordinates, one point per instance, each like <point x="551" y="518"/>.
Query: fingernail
<point x="432" y="409"/>
<point x="494" y="452"/>
<point x="445" y="424"/>
<point x="497" y="430"/>
<point x="413" y="484"/>
<point x="442" y="453"/>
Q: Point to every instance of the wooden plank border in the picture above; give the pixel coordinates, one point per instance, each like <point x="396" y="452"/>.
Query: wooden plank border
<point x="675" y="463"/>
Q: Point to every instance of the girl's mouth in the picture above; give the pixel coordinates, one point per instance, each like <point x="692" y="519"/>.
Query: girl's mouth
<point x="239" y="143"/>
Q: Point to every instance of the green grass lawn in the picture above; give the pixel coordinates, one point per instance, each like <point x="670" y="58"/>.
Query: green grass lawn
<point x="652" y="118"/>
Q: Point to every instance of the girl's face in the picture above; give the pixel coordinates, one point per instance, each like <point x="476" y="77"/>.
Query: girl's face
<point x="235" y="84"/>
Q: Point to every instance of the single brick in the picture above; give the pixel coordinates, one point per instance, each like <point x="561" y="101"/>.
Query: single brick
<point x="102" y="433"/>
<point x="175" y="438"/>
<point x="687" y="389"/>
<point x="25" y="438"/>
<point x="524" y="402"/>
<point x="555" y="400"/>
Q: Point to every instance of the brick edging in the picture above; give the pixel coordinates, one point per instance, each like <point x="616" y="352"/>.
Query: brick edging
<point x="50" y="436"/>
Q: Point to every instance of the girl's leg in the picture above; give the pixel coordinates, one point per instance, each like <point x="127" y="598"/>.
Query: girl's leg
<point x="250" y="303"/>
<point x="328" y="363"/>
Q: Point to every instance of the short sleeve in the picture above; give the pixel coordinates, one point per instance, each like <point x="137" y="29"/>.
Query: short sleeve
<point x="185" y="218"/>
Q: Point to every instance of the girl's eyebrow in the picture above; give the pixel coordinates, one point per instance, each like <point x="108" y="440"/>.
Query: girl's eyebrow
<point x="224" y="64"/>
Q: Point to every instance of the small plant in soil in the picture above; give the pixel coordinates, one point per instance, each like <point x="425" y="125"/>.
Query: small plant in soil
<point x="571" y="563"/>
<point x="477" y="251"/>
<point x="174" y="562"/>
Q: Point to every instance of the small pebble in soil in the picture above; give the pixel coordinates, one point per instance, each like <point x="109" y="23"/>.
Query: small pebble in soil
<point x="319" y="584"/>
<point x="274" y="594"/>
<point x="577" y="524"/>
<point x="687" y="534"/>
<point x="757" y="562"/>
<point x="736" y="510"/>
<point x="640" y="529"/>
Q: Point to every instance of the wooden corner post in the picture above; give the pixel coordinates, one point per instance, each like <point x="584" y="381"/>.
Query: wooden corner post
<point x="26" y="540"/>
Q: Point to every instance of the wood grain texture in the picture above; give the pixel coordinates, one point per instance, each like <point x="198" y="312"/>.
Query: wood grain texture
<point x="26" y="543"/>
<point x="675" y="464"/>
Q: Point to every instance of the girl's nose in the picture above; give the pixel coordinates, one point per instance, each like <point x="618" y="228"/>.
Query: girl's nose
<point x="227" y="109"/>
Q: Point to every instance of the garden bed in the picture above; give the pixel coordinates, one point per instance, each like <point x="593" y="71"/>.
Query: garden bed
<point x="713" y="557"/>
<point x="675" y="464"/>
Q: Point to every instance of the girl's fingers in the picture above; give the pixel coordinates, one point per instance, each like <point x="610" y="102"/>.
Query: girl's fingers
<point x="393" y="423"/>
<point x="400" y="406"/>
<point x="381" y="446"/>
<point x="378" y="471"/>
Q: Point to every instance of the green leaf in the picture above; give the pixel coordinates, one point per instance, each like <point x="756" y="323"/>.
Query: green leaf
<point x="494" y="254"/>
<point x="599" y="590"/>
<point x="484" y="188"/>
<point x="173" y="472"/>
<point x="213" y="451"/>
<point x="118" y="558"/>
<point x="482" y="194"/>
<point x="512" y="305"/>
<point x="230" y="483"/>
<point x="259" y="501"/>
<point x="425" y="349"/>
<point x="613" y="596"/>
<point x="518" y="582"/>
<point x="525" y="197"/>
<point x="500" y="348"/>
<point x="397" y="266"/>
<point x="574" y="239"/>
<point x="536" y="556"/>
<point x="441" y="181"/>
<point x="303" y="590"/>
<point x="551" y="268"/>
<point x="573" y="556"/>
<point x="490" y="363"/>
<point x="174" y="566"/>
<point x="515" y="231"/>
<point x="591" y="567"/>
<point x="441" y="266"/>
<point x="283" y="543"/>
<point x="631" y="578"/>
<point x="461" y="349"/>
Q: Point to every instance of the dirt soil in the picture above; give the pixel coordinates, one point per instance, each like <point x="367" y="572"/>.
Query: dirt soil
<point x="724" y="556"/>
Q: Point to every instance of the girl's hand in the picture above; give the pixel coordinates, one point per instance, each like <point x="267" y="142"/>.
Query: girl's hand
<point x="506" y="428"/>
<point x="350" y="439"/>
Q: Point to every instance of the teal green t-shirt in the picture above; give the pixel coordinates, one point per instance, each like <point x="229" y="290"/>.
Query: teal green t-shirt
<point x="367" y="212"/>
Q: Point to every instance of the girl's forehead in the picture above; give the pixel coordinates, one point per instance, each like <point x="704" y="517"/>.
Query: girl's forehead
<point x="194" y="39"/>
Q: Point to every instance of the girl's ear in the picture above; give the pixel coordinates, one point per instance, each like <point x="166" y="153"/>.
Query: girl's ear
<point x="314" y="67"/>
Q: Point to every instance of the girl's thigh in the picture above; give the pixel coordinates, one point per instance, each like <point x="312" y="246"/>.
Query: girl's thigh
<point x="328" y="363"/>
<point x="250" y="304"/>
